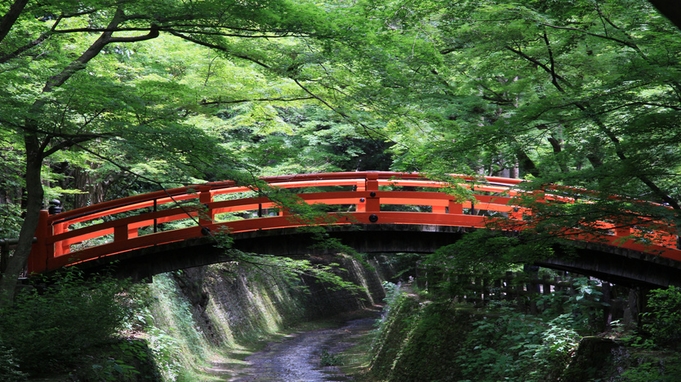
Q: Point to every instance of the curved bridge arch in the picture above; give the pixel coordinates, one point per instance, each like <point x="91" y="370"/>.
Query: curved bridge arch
<point x="368" y="210"/>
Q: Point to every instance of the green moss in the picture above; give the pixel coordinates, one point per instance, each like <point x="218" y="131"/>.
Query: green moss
<point x="438" y="341"/>
<point x="592" y="360"/>
<point x="420" y="342"/>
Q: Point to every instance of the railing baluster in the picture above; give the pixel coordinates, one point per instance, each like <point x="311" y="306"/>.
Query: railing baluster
<point x="373" y="202"/>
<point x="155" y="218"/>
<point x="455" y="208"/>
<point x="60" y="247"/>
<point x="206" y="213"/>
<point x="121" y="233"/>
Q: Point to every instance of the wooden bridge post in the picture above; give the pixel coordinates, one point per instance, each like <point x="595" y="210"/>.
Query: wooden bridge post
<point x="59" y="247"/>
<point x="455" y="208"/>
<point x="206" y="212"/>
<point x="516" y="214"/>
<point x="4" y="255"/>
<point x="373" y="203"/>
<point x="361" y="187"/>
<point x="155" y="218"/>
<point x="545" y="285"/>
<point x="509" y="293"/>
<point x="121" y="233"/>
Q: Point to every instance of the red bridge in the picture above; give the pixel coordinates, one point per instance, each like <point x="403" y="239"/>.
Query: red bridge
<point x="371" y="211"/>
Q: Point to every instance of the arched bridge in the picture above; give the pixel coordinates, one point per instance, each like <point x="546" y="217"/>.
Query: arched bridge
<point x="370" y="211"/>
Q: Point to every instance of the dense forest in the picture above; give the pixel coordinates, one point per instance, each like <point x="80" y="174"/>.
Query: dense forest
<point x="102" y="99"/>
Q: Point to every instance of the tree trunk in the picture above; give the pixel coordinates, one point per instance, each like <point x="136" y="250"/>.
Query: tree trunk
<point x="17" y="261"/>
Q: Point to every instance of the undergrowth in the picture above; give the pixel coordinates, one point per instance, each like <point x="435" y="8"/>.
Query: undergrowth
<point x="62" y="323"/>
<point x="445" y="341"/>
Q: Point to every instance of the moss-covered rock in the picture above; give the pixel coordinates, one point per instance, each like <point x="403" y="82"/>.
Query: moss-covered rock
<point x="420" y="342"/>
<point x="592" y="361"/>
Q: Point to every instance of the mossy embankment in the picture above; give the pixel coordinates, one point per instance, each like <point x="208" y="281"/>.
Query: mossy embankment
<point x="418" y="341"/>
<point x="204" y="321"/>
<point x="421" y="340"/>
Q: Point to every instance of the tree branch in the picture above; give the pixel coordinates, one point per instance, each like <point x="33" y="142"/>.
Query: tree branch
<point x="221" y="102"/>
<point x="7" y="21"/>
<point x="626" y="43"/>
<point x="585" y="108"/>
<point x="72" y="141"/>
<point x="541" y="65"/>
<point x="153" y="33"/>
<point x="554" y="78"/>
<point x="366" y="128"/>
<point x="217" y="47"/>
<point x="25" y="48"/>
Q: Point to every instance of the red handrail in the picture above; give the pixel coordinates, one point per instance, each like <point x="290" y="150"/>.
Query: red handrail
<point x="178" y="214"/>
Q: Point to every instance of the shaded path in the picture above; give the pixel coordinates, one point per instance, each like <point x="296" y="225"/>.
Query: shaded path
<point x="297" y="358"/>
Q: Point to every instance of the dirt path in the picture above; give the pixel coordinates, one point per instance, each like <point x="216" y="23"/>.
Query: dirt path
<point x="297" y="358"/>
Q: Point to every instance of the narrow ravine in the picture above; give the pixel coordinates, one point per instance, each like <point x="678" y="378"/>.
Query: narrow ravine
<point x="297" y="358"/>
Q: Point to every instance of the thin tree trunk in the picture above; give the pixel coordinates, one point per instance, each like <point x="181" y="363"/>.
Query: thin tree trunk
<point x="17" y="261"/>
<point x="7" y="21"/>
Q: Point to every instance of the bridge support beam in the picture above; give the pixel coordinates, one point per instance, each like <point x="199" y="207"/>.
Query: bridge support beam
<point x="616" y="265"/>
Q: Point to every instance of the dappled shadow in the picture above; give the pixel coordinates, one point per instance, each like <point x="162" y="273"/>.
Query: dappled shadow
<point x="298" y="356"/>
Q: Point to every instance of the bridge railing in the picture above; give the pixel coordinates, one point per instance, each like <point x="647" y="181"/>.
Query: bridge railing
<point x="179" y="214"/>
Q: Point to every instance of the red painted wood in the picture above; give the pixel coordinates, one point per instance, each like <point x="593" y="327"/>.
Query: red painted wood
<point x="68" y="238"/>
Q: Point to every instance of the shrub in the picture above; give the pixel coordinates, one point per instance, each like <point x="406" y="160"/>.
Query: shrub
<point x="9" y="369"/>
<point x="52" y="325"/>
<point x="663" y="318"/>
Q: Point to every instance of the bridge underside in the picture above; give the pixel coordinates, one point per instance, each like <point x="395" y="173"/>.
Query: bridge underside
<point x="616" y="265"/>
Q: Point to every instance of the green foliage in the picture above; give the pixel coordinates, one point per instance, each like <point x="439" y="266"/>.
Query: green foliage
<point x="331" y="275"/>
<point x="134" y="93"/>
<point x="9" y="367"/>
<point x="299" y="139"/>
<point x="328" y="359"/>
<point x="175" y="342"/>
<point x="53" y="325"/>
<point x="444" y="341"/>
<point x="167" y="352"/>
<point x="405" y="265"/>
<point x="441" y="342"/>
<point x="576" y="93"/>
<point x="393" y="331"/>
<point x="663" y="318"/>
<point x="517" y="347"/>
<point x="128" y="360"/>
<point x="483" y="254"/>
<point x="652" y="368"/>
<point x="583" y="305"/>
